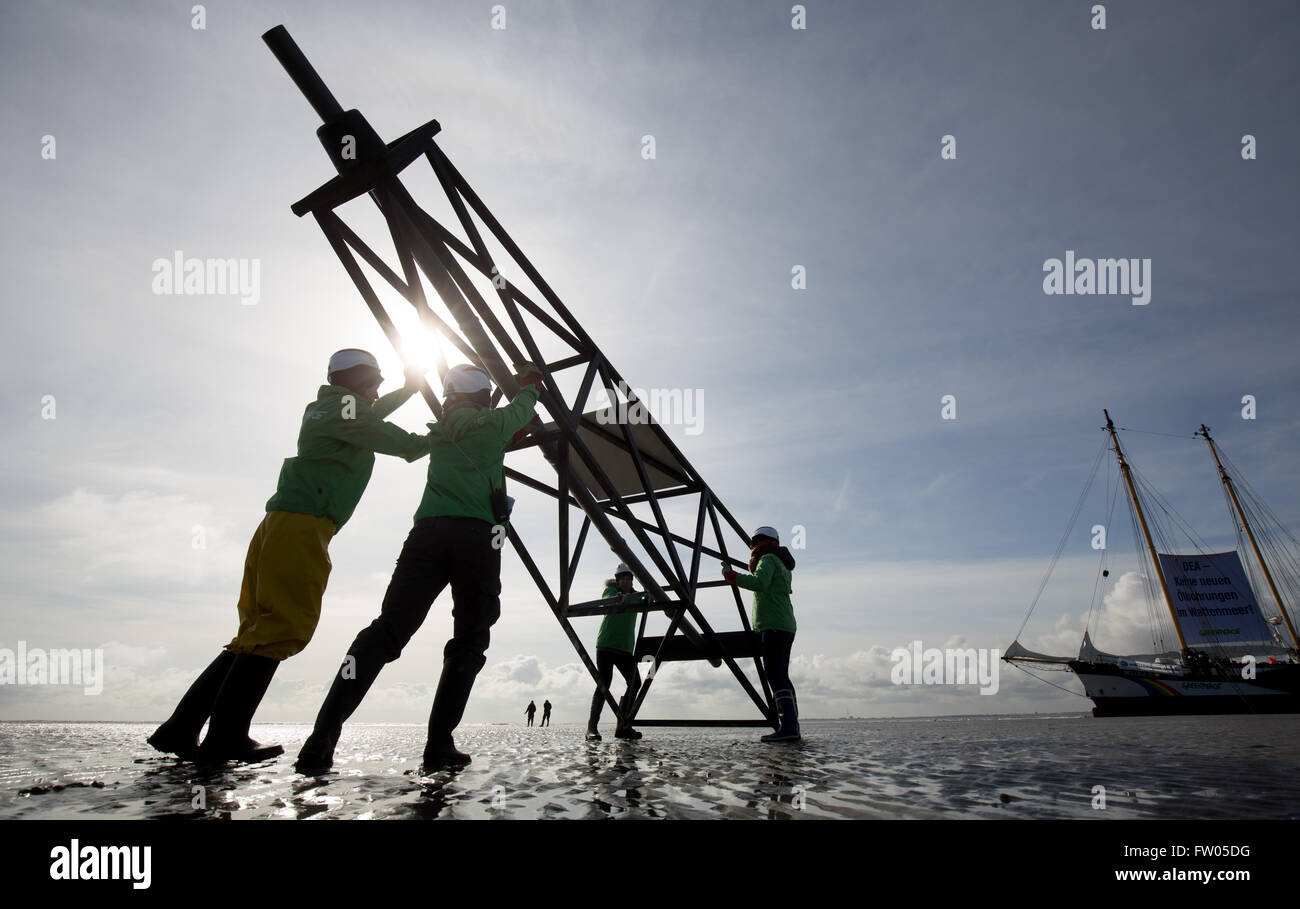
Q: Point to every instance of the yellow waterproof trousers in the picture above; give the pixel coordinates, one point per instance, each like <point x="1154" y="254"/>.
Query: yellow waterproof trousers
<point x="285" y="572"/>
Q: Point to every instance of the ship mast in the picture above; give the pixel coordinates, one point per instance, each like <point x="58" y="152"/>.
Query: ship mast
<point x="1250" y="534"/>
<point x="1155" y="560"/>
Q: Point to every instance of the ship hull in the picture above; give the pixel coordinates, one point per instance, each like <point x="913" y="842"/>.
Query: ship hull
<point x="1122" y="691"/>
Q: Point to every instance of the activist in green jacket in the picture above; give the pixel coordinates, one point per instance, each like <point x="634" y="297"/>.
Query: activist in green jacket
<point x="341" y="432"/>
<point x="615" y="649"/>
<point x="618" y="632"/>
<point x="288" y="564"/>
<point x="454" y="542"/>
<point x="467" y="452"/>
<point x="771" y="585"/>
<point x="772" y="564"/>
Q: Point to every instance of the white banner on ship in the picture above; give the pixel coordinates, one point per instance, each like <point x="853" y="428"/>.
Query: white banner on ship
<point x="1213" y="600"/>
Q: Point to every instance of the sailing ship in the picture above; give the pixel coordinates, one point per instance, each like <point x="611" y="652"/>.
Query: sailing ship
<point x="1231" y="654"/>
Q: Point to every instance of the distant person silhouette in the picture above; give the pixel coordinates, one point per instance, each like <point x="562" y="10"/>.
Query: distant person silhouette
<point x="546" y="713"/>
<point x="532" y="708"/>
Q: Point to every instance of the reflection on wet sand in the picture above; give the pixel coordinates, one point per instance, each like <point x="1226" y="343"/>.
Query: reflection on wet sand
<point x="1170" y="767"/>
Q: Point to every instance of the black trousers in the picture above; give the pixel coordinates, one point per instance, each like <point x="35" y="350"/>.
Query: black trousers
<point x="776" y="658"/>
<point x="438" y="551"/>
<point x="607" y="661"/>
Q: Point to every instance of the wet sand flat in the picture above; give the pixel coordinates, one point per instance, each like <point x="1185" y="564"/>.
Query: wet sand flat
<point x="1244" y="767"/>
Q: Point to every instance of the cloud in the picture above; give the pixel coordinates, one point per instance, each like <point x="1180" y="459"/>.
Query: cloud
<point x="116" y="540"/>
<point x="1122" y="626"/>
<point x="140" y="685"/>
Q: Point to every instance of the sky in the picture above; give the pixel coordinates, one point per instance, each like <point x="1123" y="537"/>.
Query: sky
<point x="782" y="156"/>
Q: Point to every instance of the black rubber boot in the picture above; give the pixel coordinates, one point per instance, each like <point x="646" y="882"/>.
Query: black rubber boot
<point x="788" y="709"/>
<point x="349" y="688"/>
<point x="179" y="735"/>
<point x="246" y="683"/>
<point x="442" y="754"/>
<point x="597" y="704"/>
<point x="454" y="687"/>
<point x="625" y="707"/>
<point x="316" y="755"/>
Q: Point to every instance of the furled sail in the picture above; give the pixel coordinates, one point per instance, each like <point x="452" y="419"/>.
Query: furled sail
<point x="1151" y="662"/>
<point x="1017" y="652"/>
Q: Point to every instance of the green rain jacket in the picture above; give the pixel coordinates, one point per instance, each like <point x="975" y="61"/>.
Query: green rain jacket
<point x="341" y="431"/>
<point x="466" y="453"/>
<point x="771" y="585"/>
<point x="618" y="632"/>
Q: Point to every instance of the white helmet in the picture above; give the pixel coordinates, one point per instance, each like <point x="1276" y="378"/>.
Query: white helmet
<point x="766" y="531"/>
<point x="465" y="379"/>
<point x="349" y="357"/>
<point x="622" y="569"/>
